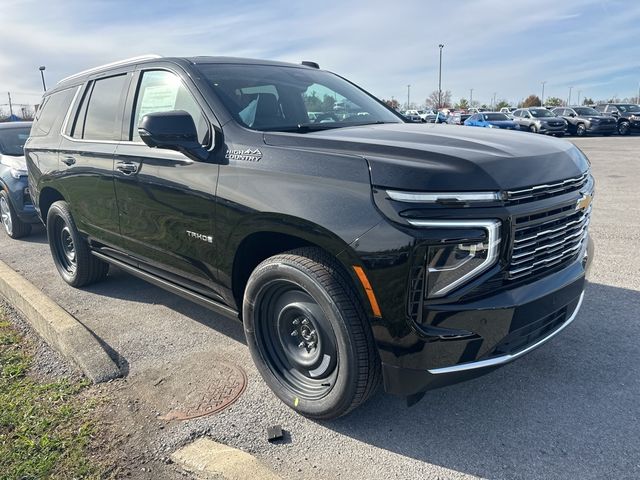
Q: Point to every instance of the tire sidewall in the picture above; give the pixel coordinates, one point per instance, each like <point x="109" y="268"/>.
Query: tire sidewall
<point x="60" y="210"/>
<point x="5" y="196"/>
<point x="344" y="389"/>
<point x="581" y="130"/>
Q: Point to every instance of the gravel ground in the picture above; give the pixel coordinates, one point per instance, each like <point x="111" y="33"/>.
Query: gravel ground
<point x="567" y="410"/>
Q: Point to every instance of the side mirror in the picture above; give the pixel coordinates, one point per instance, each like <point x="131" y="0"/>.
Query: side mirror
<point x="172" y="130"/>
<point x="572" y="114"/>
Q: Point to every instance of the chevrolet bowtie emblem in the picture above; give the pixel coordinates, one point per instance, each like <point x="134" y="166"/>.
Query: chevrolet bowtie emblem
<point x="584" y="201"/>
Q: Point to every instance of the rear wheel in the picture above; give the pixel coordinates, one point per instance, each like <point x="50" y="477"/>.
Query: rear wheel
<point x="13" y="226"/>
<point x="309" y="335"/>
<point x="624" y="128"/>
<point x="71" y="255"/>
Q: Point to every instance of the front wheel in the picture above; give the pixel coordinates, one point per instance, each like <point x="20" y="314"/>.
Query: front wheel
<point x="71" y="255"/>
<point x="309" y="335"/>
<point x="13" y="226"/>
<point x="581" y="130"/>
<point x="533" y="129"/>
<point x="624" y="128"/>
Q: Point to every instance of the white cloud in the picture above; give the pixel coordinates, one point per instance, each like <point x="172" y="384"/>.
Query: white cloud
<point x="500" y="46"/>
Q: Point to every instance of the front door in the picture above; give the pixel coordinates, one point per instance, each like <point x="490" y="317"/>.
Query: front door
<point x="166" y="200"/>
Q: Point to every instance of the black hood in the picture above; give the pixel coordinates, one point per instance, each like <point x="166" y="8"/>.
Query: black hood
<point x="434" y="157"/>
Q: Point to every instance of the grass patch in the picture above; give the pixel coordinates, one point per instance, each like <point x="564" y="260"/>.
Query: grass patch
<point x="45" y="428"/>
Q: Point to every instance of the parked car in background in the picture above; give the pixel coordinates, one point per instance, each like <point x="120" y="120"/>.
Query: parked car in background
<point x="540" y="120"/>
<point x="583" y="120"/>
<point x="627" y="116"/>
<point x="458" y="118"/>
<point x="16" y="209"/>
<point x="412" y="115"/>
<point x="507" y="110"/>
<point x="491" y="120"/>
<point x="437" y="117"/>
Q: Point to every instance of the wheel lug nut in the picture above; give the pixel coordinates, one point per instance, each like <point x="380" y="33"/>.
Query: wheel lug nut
<point x="296" y="322"/>
<point x="305" y="322"/>
<point x="312" y="345"/>
<point x="294" y="333"/>
<point x="301" y="344"/>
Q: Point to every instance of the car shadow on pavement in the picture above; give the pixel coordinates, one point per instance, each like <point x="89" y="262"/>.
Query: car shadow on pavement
<point x="567" y="410"/>
<point x="124" y="286"/>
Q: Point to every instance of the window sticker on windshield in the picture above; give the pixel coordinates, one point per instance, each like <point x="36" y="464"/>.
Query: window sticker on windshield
<point x="159" y="98"/>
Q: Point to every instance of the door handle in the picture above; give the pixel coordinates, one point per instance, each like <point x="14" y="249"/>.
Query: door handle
<point x="128" y="168"/>
<point x="68" y="161"/>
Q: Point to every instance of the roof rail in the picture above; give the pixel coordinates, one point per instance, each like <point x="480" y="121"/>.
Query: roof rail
<point x="126" y="61"/>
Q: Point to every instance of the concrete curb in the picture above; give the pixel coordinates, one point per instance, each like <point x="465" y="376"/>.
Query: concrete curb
<point x="211" y="460"/>
<point x="57" y="327"/>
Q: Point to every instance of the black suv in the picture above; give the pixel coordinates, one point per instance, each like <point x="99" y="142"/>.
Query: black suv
<point x="583" y="120"/>
<point x="627" y="116"/>
<point x="355" y="247"/>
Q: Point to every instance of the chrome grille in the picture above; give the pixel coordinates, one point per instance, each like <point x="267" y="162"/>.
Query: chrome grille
<point x="548" y="190"/>
<point x="548" y="242"/>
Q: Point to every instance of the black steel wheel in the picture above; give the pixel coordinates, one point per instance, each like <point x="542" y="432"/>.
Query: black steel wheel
<point x="13" y="226"/>
<point x="71" y="254"/>
<point x="624" y="128"/>
<point x="309" y="335"/>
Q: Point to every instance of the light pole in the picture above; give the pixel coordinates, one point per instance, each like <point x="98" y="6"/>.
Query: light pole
<point x="408" y="95"/>
<point x="569" y="99"/>
<point x="542" y="99"/>
<point x="493" y="103"/>
<point x="470" y="97"/>
<point x="42" y="69"/>
<point x="579" y="92"/>
<point x="441" y="46"/>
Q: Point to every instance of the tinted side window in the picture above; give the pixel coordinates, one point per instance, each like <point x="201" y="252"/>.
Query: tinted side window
<point x="101" y="120"/>
<point x="52" y="112"/>
<point x="162" y="91"/>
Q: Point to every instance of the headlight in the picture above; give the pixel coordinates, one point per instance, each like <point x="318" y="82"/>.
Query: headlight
<point x="635" y="117"/>
<point x="452" y="264"/>
<point x="16" y="173"/>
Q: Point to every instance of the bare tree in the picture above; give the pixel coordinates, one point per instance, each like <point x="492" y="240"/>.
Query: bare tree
<point x="445" y="101"/>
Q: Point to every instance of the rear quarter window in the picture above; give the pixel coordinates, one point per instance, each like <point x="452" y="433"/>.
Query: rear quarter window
<point x="52" y="112"/>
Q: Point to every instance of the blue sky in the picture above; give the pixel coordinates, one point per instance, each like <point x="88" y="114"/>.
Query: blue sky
<point x="504" y="46"/>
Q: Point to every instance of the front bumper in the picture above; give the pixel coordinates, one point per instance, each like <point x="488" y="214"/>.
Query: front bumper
<point x="503" y="327"/>
<point x="17" y="188"/>
<point x="602" y="128"/>
<point x="548" y="129"/>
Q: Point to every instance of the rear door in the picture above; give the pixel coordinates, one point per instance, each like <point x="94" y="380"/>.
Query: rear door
<point x="87" y="152"/>
<point x="165" y="199"/>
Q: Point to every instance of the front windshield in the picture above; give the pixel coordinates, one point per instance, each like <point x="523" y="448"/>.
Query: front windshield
<point x="586" y="111"/>
<point x="629" y="108"/>
<point x="12" y="140"/>
<point x="495" y="117"/>
<point x="541" y="112"/>
<point x="282" y="98"/>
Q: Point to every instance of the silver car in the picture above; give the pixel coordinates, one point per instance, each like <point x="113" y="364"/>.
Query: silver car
<point x="540" y="120"/>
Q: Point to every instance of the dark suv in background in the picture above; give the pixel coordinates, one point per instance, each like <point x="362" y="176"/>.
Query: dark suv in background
<point x="355" y="249"/>
<point x="583" y="120"/>
<point x="16" y="210"/>
<point x="627" y="116"/>
<point x="540" y="120"/>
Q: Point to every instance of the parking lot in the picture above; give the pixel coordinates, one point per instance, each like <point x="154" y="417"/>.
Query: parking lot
<point x="568" y="410"/>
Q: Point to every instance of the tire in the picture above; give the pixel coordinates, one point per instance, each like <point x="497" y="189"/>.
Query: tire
<point x="533" y="129"/>
<point x="624" y="128"/>
<point x="581" y="130"/>
<point x="13" y="226"/>
<point x="309" y="335"/>
<point x="71" y="253"/>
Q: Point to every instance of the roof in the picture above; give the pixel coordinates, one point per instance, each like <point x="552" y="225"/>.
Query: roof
<point x="198" y="60"/>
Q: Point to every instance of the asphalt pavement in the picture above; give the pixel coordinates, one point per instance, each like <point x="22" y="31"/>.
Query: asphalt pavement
<point x="568" y="410"/>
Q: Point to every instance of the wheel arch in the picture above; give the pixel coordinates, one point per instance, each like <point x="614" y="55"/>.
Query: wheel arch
<point x="273" y="237"/>
<point x="47" y="197"/>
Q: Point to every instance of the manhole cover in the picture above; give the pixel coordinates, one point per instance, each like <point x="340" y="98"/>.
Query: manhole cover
<point x="201" y="386"/>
